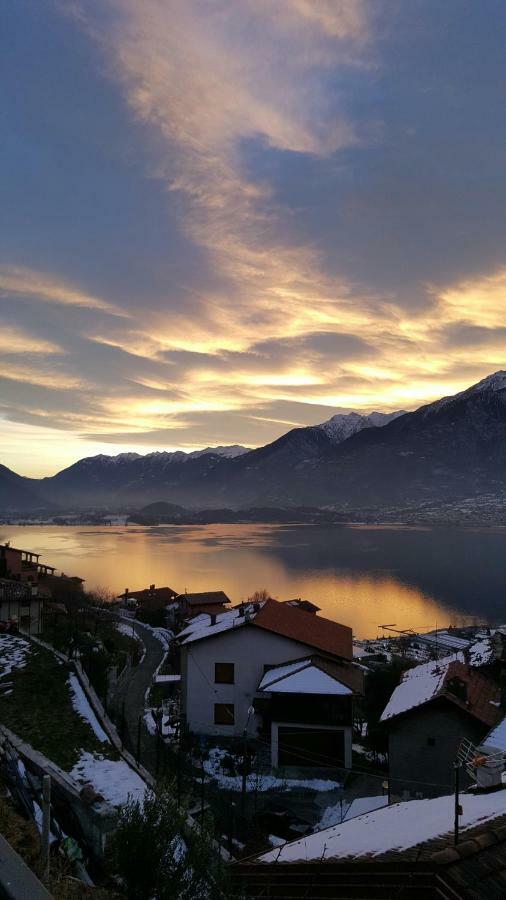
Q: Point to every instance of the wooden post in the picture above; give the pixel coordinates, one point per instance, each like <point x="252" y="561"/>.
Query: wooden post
<point x="456" y="767"/>
<point x="46" y="824"/>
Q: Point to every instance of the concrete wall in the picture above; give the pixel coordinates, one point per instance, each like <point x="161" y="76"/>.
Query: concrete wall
<point x="414" y="760"/>
<point x="249" y="648"/>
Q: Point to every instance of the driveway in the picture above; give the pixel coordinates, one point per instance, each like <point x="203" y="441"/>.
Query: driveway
<point x="129" y="697"/>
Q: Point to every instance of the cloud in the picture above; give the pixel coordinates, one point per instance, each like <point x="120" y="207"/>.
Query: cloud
<point x="18" y="281"/>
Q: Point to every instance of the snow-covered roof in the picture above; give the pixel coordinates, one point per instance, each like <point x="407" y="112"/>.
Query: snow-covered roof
<point x="205" y="626"/>
<point x="497" y="737"/>
<point x="279" y="618"/>
<point x="481" y="653"/>
<point x="397" y="827"/>
<point x="449" y="678"/>
<point x="446" y="640"/>
<point x="419" y="685"/>
<point x="302" y="677"/>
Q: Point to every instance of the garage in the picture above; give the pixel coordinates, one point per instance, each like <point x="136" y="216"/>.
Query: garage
<point x="316" y="747"/>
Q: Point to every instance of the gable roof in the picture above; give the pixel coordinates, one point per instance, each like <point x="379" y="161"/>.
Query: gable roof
<point x="202" y="597"/>
<point x="397" y="828"/>
<point x="306" y="628"/>
<point x="312" y="675"/>
<point x="278" y="618"/>
<point x="161" y="593"/>
<point x="433" y="680"/>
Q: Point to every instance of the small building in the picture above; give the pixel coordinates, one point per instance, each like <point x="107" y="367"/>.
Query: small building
<point x="274" y="671"/>
<point x="434" y="708"/>
<point x="21" y="606"/>
<point x="194" y="604"/>
<point x="151" y="597"/>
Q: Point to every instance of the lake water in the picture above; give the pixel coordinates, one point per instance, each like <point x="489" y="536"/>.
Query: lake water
<point x="363" y="576"/>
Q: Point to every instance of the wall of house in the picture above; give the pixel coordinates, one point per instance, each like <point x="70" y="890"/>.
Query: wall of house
<point x="26" y="612"/>
<point x="250" y="649"/>
<point x="412" y="756"/>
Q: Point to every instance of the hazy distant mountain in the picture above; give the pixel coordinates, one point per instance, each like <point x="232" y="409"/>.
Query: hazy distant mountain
<point x="16" y="493"/>
<point x="450" y="449"/>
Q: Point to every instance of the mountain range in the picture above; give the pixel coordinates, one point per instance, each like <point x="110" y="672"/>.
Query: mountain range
<point x="451" y="449"/>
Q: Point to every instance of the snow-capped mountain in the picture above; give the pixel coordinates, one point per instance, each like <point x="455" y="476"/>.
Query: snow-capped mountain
<point x="342" y="426"/>
<point x="447" y="450"/>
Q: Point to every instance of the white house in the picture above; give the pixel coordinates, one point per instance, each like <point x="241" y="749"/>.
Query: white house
<point x="235" y="680"/>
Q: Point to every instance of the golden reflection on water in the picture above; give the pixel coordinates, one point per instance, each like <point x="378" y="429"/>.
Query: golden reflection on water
<point x="237" y="559"/>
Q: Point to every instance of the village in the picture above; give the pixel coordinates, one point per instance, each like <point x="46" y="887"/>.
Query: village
<point x="307" y="754"/>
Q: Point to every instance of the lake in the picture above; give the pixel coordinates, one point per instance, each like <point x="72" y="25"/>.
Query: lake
<point x="363" y="576"/>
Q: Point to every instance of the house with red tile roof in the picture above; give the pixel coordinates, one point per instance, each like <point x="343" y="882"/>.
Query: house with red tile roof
<point x="434" y="708"/>
<point x="282" y="674"/>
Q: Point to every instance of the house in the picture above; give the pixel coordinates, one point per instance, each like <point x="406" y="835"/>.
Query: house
<point x="275" y="672"/>
<point x="403" y="850"/>
<point x="152" y="597"/>
<point x="21" y="605"/>
<point x="434" y="708"/>
<point x="20" y="565"/>
<point x="201" y="602"/>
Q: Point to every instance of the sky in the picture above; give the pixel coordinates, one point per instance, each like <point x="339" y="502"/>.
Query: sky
<point x="222" y="219"/>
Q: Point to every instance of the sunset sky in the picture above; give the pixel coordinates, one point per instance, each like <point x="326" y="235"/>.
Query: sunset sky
<point x="224" y="218"/>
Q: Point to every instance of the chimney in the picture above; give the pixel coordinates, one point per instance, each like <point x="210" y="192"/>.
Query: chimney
<point x="151" y="589"/>
<point x="126" y="593"/>
<point x="213" y="619"/>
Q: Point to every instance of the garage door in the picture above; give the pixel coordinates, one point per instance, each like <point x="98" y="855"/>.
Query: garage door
<point x="310" y="747"/>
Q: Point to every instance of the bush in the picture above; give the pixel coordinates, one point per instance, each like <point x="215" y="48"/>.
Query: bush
<point x="157" y="856"/>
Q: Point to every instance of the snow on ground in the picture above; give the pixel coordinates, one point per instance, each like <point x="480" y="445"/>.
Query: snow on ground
<point x="113" y="779"/>
<point x="83" y="707"/>
<point x="127" y="630"/>
<point x="333" y="815"/>
<point x="254" y="782"/>
<point x="13" y="653"/>
<point x="395" y="827"/>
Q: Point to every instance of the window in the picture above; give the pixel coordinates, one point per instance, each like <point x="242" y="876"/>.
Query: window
<point x="224" y="714"/>
<point x="431" y="742"/>
<point x="224" y="673"/>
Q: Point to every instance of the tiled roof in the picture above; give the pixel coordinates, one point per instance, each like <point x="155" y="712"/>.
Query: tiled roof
<point x="161" y="593"/>
<point x="434" y="680"/>
<point x="199" y="598"/>
<point x="280" y="618"/>
<point x="306" y="628"/>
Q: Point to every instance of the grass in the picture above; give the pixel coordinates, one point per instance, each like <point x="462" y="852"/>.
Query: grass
<point x="24" y="839"/>
<point x="39" y="710"/>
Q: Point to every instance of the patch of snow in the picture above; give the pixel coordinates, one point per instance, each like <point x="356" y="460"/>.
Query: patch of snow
<point x="127" y="631"/>
<point x="341" y="812"/>
<point x="113" y="779"/>
<point x="396" y="827"/>
<point x="497" y="737"/>
<point x="200" y="626"/>
<point x="13" y="653"/>
<point x="83" y="707"/>
<point x="343" y="425"/>
<point x="481" y="653"/>
<point x="261" y="783"/>
<point x="275" y="841"/>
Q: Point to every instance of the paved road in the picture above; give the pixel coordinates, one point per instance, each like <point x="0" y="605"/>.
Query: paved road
<point x="131" y="691"/>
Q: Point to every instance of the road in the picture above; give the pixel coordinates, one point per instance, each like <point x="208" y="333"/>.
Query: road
<point x="129" y="698"/>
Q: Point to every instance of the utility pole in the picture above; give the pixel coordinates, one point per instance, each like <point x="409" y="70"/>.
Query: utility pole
<point x="458" y="808"/>
<point x="139" y="721"/>
<point x="46" y="824"/>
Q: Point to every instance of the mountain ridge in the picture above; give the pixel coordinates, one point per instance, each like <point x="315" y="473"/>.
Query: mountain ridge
<point x="451" y="448"/>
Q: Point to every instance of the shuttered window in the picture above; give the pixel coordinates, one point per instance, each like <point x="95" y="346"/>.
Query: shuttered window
<point x="224" y="714"/>
<point x="224" y="673"/>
